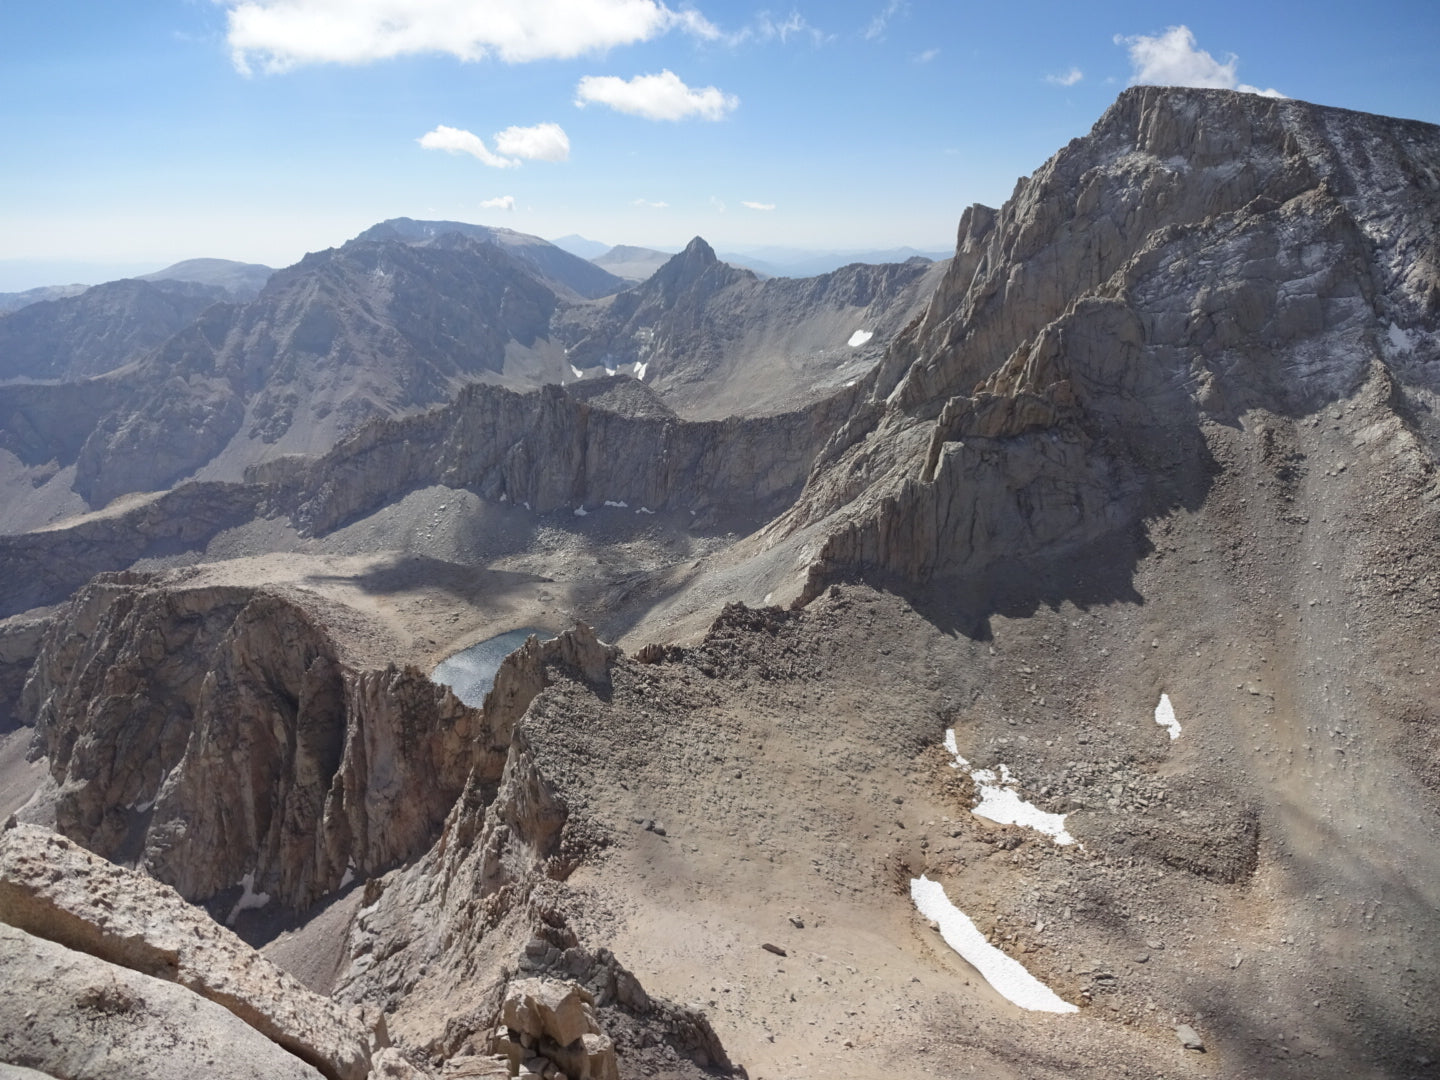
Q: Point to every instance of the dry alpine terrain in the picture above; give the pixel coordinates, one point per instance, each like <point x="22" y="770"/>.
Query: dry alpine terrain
<point x="1101" y="607"/>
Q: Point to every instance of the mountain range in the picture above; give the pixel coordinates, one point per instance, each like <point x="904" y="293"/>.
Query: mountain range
<point x="1043" y="686"/>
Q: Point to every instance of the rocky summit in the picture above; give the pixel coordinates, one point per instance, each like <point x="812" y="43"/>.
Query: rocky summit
<point x="1042" y="685"/>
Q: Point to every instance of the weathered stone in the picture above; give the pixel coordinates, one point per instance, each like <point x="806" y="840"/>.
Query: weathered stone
<point x="52" y="888"/>
<point x="72" y="1016"/>
<point x="560" y="1011"/>
<point x="217" y="735"/>
<point x="1189" y="1038"/>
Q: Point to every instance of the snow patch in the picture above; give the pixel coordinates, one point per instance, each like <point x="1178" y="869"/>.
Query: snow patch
<point x="1006" y="974"/>
<point x="578" y="373"/>
<point x="349" y="875"/>
<point x="645" y="510"/>
<point x="860" y="337"/>
<point x="580" y="511"/>
<point x="1165" y="716"/>
<point x="1401" y="341"/>
<point x="249" y="899"/>
<point x="640" y="369"/>
<point x="622" y="504"/>
<point x="1000" y="800"/>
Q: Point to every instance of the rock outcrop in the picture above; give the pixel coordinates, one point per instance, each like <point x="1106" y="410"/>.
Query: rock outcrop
<point x="439" y="936"/>
<point x="550" y="1024"/>
<point x="144" y="933"/>
<point x="20" y="639"/>
<point x="218" y="738"/>
<point x="1197" y="255"/>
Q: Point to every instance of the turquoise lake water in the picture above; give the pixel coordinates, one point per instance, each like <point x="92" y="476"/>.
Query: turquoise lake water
<point x="470" y="673"/>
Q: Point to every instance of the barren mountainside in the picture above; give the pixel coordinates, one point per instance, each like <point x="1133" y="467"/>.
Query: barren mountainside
<point x="1085" y="642"/>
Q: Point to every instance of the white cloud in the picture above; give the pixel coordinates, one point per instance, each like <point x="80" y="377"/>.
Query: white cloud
<point x="543" y="142"/>
<point x="926" y="56"/>
<point x="878" y="24"/>
<point x="503" y="202"/>
<point x="718" y="204"/>
<point x="1172" y="59"/>
<point x="458" y="141"/>
<point x="655" y="97"/>
<point x="1070" y="78"/>
<point x="651" y="205"/>
<point x="757" y="205"/>
<point x="280" y="34"/>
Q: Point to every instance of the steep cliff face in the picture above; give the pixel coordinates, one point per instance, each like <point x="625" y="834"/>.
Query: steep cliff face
<point x="714" y="339"/>
<point x="216" y="735"/>
<point x="560" y="448"/>
<point x="1199" y="256"/>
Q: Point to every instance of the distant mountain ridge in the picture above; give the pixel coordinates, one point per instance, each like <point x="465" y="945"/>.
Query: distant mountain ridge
<point x="100" y="329"/>
<point x="632" y="263"/>
<point x="716" y="339"/>
<point x="242" y="280"/>
<point x="561" y="270"/>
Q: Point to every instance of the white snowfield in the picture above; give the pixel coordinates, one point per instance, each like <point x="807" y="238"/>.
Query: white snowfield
<point x="1165" y="716"/>
<point x="1000" y="800"/>
<point x="1006" y="974"/>
<point x="860" y="337"/>
<point x="249" y="900"/>
<point x="578" y="373"/>
<point x="640" y="370"/>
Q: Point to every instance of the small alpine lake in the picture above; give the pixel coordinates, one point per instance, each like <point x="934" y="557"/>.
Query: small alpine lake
<point x="470" y="673"/>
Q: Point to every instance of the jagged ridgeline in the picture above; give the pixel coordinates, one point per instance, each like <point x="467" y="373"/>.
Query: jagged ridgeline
<point x="1163" y="430"/>
<point x="1200" y="255"/>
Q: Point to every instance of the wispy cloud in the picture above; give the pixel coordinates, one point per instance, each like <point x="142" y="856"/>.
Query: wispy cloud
<point x="651" y="205"/>
<point x="757" y="205"/>
<point x="276" y="35"/>
<point x="878" y="24"/>
<point x="926" y="56"/>
<point x="502" y="202"/>
<point x="718" y="204"/>
<point x="543" y="142"/>
<point x="459" y="141"/>
<point x="655" y="97"/>
<point x="1174" y="59"/>
<point x="769" y="28"/>
<point x="1070" y="78"/>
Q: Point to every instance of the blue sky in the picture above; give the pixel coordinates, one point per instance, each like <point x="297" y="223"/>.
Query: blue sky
<point x="144" y="132"/>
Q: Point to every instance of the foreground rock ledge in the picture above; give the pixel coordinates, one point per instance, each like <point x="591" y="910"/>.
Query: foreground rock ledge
<point x="54" y="889"/>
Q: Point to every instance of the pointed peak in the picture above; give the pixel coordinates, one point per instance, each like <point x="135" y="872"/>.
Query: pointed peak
<point x="699" y="249"/>
<point x="695" y="262"/>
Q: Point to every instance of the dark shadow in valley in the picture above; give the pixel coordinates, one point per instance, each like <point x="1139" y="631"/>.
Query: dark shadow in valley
<point x="404" y="572"/>
<point x="1096" y="575"/>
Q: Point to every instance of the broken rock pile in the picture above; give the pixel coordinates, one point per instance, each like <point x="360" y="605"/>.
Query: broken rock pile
<point x="548" y="1029"/>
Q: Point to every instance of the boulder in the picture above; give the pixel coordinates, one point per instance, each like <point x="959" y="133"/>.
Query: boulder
<point x="562" y="1011"/>
<point x="72" y="1016"/>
